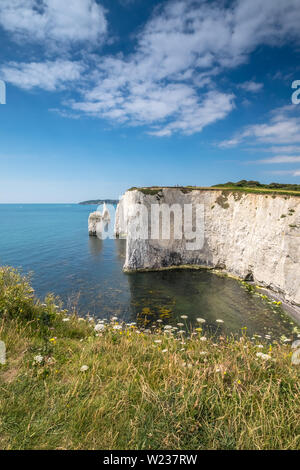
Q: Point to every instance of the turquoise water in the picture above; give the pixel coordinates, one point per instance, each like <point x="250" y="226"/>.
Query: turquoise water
<point x="52" y="242"/>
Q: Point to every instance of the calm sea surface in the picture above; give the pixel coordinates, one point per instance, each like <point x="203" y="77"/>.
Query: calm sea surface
<point x="52" y="242"/>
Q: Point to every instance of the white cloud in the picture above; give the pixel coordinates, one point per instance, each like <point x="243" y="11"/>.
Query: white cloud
<point x="280" y="159"/>
<point x="50" y="75"/>
<point x="251" y="86"/>
<point x="286" y="172"/>
<point x="55" y="21"/>
<point x="282" y="128"/>
<point x="169" y="81"/>
<point x="283" y="148"/>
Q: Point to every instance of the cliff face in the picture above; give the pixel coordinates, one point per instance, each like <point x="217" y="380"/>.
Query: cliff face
<point x="251" y="236"/>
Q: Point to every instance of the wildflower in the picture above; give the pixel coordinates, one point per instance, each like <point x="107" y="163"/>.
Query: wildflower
<point x="220" y="368"/>
<point x="181" y="332"/>
<point x="203" y="338"/>
<point x="263" y="356"/>
<point x="117" y="327"/>
<point x="168" y="327"/>
<point x="199" y="330"/>
<point x="51" y="360"/>
<point x="260" y="346"/>
<point x="38" y="359"/>
<point x="66" y="320"/>
<point x="159" y="321"/>
<point x="99" y="327"/>
<point x="114" y="319"/>
<point x="180" y="324"/>
<point x="84" y="368"/>
<point x="158" y="341"/>
<point x="164" y="350"/>
<point x="220" y="321"/>
<point x="296" y="344"/>
<point x="184" y="317"/>
<point x="53" y="340"/>
<point x="203" y="353"/>
<point x="201" y="320"/>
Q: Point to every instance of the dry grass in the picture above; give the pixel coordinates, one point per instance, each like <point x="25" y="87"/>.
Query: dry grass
<point x="140" y="391"/>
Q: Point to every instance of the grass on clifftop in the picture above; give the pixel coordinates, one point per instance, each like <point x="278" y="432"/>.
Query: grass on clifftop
<point x="72" y="384"/>
<point x="244" y="186"/>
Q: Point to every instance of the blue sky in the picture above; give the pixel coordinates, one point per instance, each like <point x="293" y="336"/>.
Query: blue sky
<point x="103" y="95"/>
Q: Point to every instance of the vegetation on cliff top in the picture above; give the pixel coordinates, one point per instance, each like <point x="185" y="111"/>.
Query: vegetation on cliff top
<point x="71" y="383"/>
<point x="241" y="186"/>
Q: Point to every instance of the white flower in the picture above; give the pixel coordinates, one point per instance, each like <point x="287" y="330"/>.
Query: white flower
<point x="84" y="368"/>
<point x="114" y="319"/>
<point x="158" y="341"/>
<point x="203" y="338"/>
<point x="39" y="359"/>
<point x="201" y="320"/>
<point x="117" y="327"/>
<point x="181" y="332"/>
<point x="296" y="358"/>
<point x="184" y="317"/>
<point x="296" y="344"/>
<point x="260" y="346"/>
<point x="263" y="356"/>
<point x="203" y="353"/>
<point x="164" y="350"/>
<point x="168" y="327"/>
<point x="180" y="324"/>
<point x="99" y="327"/>
<point x="66" y="320"/>
<point x="220" y="321"/>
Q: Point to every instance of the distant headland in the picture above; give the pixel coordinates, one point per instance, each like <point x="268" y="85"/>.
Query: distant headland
<point x="100" y="201"/>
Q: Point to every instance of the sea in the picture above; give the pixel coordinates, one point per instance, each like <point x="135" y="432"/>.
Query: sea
<point x="50" y="242"/>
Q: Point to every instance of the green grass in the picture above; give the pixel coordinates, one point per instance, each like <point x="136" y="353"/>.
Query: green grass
<point x="180" y="393"/>
<point x="226" y="188"/>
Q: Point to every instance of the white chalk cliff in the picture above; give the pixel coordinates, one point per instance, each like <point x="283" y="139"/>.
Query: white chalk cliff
<point x="251" y="236"/>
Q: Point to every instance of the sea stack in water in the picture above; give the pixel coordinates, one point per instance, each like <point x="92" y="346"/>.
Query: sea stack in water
<point x="106" y="214"/>
<point x="95" y="222"/>
<point x="98" y="221"/>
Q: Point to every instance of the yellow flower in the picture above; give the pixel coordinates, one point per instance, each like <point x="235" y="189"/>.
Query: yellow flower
<point x="53" y="340"/>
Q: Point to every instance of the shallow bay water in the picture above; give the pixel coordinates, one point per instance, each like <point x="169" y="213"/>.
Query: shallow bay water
<point x="51" y="241"/>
